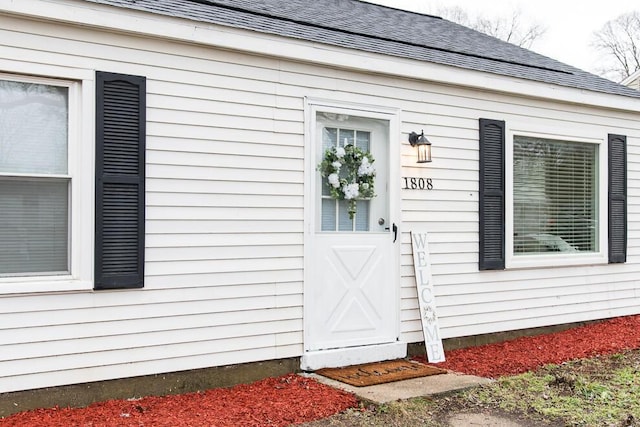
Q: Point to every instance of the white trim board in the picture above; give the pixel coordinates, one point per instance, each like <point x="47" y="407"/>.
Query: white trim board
<point x="313" y="360"/>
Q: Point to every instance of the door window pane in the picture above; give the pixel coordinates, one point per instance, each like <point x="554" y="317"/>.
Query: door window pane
<point x="329" y="138"/>
<point x="335" y="213"/>
<point x="329" y="215"/>
<point x="555" y="196"/>
<point x="363" y="140"/>
<point x="346" y="137"/>
<point x="344" y="222"/>
<point x="362" y="215"/>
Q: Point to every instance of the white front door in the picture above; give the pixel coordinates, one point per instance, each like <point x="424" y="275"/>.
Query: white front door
<point x="352" y="294"/>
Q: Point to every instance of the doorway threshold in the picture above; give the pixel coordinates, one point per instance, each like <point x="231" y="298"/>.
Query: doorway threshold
<point x="339" y="357"/>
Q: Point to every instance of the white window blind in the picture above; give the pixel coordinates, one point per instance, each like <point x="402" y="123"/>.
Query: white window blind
<point x="554" y="196"/>
<point x="34" y="181"/>
<point x="34" y="230"/>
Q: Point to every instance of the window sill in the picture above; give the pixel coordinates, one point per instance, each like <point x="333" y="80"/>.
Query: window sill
<point x="49" y="284"/>
<point x="542" y="261"/>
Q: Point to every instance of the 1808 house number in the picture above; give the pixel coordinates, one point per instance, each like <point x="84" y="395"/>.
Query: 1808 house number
<point x="417" y="183"/>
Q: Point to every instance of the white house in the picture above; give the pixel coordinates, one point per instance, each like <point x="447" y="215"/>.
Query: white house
<point x="633" y="81"/>
<point x="162" y="208"/>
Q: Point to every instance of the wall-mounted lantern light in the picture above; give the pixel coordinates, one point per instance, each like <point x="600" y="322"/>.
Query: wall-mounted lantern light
<point x="423" y="144"/>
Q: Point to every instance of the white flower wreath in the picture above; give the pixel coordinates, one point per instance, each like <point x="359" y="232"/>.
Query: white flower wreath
<point x="350" y="174"/>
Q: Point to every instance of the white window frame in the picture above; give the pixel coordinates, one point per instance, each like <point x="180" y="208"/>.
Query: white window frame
<point x="81" y="155"/>
<point x="557" y="259"/>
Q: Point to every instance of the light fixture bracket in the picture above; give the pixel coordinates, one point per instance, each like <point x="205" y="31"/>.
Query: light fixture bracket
<point x="414" y="137"/>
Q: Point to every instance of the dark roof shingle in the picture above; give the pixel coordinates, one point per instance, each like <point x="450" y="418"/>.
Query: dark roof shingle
<point x="368" y="27"/>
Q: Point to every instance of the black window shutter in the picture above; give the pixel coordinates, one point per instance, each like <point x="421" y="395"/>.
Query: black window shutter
<point x="492" y="194"/>
<point x="120" y="175"/>
<point x="617" y="198"/>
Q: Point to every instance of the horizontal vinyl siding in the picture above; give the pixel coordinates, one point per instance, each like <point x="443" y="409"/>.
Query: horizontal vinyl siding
<point x="471" y="302"/>
<point x="225" y="215"/>
<point x="224" y="220"/>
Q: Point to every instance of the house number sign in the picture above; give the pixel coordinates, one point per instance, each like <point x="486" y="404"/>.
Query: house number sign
<point x="413" y="183"/>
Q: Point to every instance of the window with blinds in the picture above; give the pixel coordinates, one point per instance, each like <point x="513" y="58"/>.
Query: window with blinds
<point x="554" y="196"/>
<point x="34" y="179"/>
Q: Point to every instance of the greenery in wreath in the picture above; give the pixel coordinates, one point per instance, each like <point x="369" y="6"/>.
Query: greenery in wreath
<point x="350" y="174"/>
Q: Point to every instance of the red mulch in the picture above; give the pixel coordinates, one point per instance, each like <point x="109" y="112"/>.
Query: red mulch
<point x="282" y="401"/>
<point x="292" y="399"/>
<point x="528" y="353"/>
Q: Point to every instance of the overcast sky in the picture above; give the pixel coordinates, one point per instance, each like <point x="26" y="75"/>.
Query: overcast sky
<point x="569" y="23"/>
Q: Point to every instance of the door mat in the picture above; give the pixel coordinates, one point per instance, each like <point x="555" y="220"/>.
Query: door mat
<point x="379" y="372"/>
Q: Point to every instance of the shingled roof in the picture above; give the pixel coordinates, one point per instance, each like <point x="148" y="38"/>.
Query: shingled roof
<point x="368" y="27"/>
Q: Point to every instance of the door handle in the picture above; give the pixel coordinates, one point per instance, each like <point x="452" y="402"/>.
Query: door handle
<point x="394" y="228"/>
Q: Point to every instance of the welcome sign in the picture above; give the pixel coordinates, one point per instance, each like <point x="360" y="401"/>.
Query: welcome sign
<point x="422" y="269"/>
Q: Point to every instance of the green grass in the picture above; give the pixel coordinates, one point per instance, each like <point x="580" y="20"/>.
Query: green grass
<point x="592" y="392"/>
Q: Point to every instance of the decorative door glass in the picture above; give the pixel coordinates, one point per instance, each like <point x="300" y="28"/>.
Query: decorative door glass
<point x="335" y="215"/>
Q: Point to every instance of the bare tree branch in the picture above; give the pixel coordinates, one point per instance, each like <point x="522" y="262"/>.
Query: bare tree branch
<point x="619" y="42"/>
<point x="511" y="29"/>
